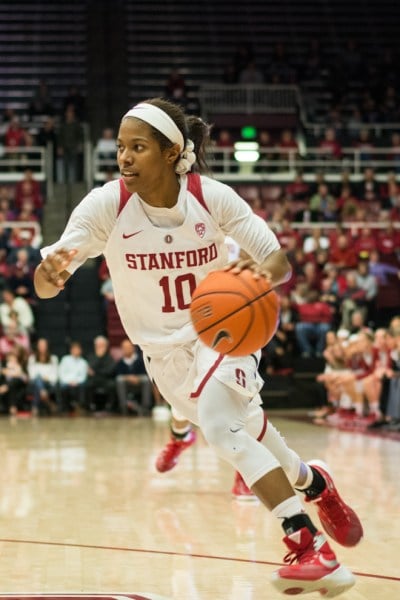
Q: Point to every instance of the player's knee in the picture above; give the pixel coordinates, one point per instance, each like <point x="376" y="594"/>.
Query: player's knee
<point x="227" y="440"/>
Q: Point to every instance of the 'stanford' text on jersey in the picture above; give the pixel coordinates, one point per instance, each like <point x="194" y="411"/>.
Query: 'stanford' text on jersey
<point x="157" y="257"/>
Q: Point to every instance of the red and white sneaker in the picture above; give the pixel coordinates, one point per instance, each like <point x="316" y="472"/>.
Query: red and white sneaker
<point x="311" y="567"/>
<point x="240" y="491"/>
<point x="168" y="457"/>
<point x="337" y="518"/>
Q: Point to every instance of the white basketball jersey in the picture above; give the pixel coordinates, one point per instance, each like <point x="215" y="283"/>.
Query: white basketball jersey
<point x="155" y="270"/>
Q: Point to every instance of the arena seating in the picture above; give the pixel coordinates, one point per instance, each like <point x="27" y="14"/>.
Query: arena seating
<point x="41" y="41"/>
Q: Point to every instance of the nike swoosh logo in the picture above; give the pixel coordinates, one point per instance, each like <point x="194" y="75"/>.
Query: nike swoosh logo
<point x="234" y="430"/>
<point x="221" y="335"/>
<point x="128" y="235"/>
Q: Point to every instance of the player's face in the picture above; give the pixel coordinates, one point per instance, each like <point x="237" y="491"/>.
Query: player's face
<point x="142" y="163"/>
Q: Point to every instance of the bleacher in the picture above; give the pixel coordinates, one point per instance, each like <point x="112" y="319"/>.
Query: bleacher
<point x="41" y="41"/>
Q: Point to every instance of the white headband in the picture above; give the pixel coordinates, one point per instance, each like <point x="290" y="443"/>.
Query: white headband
<point x="159" y="119"/>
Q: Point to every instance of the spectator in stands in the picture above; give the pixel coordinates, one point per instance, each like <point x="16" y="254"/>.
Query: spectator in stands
<point x="286" y="147"/>
<point x="390" y="190"/>
<point x="47" y="135"/>
<point x="106" y="149"/>
<point x="15" y="134"/>
<point x="43" y="378"/>
<point x="14" y="309"/>
<point x="13" y="338"/>
<point x="4" y="235"/>
<point x="329" y="146"/>
<point x="27" y="235"/>
<point x="229" y="75"/>
<point x="285" y="232"/>
<point x="342" y="253"/>
<point x="347" y="204"/>
<point x="72" y="376"/>
<point x="376" y="386"/>
<point x="6" y="203"/>
<point x="243" y="54"/>
<point x="315" y="240"/>
<point x="383" y="272"/>
<point x="107" y="291"/>
<point x="368" y="189"/>
<point x="176" y="88"/>
<point x="20" y="276"/>
<point x="314" y="62"/>
<point x="296" y="257"/>
<point x="69" y="149"/>
<point x="100" y="386"/>
<point x="389" y="406"/>
<point x="13" y="384"/>
<point x="134" y="388"/>
<point x="388" y="241"/>
<point x="41" y="104"/>
<point x="394" y="154"/>
<point x="314" y="320"/>
<point x="355" y="123"/>
<point x="367" y="282"/>
<point x="8" y="114"/>
<point x="394" y="213"/>
<point x="390" y="112"/>
<point x="331" y="291"/>
<point x="356" y="383"/>
<point x="323" y="205"/>
<point x="28" y="188"/>
<point x="365" y="241"/>
<point x="311" y="276"/>
<point x="258" y="207"/>
<point x="77" y="100"/>
<point x="298" y="189"/>
<point x="364" y="144"/>
<point x="280" y="69"/>
<point x="277" y="356"/>
<point x="251" y="74"/>
<point x="355" y="298"/>
<point x="267" y="154"/>
<point x="224" y="142"/>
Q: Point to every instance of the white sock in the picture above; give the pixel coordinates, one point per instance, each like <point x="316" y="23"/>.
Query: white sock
<point x="288" y="508"/>
<point x="307" y="475"/>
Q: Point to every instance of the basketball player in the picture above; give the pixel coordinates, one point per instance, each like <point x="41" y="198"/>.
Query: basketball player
<point x="161" y="229"/>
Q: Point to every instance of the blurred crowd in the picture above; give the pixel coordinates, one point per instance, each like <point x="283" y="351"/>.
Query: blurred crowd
<point x="34" y="381"/>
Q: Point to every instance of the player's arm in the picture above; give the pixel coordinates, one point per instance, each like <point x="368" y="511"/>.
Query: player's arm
<point x="52" y="273"/>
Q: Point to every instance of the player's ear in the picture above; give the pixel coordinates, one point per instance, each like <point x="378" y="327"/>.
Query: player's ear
<point x="172" y="154"/>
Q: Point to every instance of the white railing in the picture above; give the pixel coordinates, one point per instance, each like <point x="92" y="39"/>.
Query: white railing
<point x="14" y="161"/>
<point x="283" y="164"/>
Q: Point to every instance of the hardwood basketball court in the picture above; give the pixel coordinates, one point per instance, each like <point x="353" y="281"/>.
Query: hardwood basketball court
<point x="83" y="511"/>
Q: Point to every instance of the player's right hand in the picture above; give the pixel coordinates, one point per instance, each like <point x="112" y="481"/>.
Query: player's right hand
<point x="55" y="264"/>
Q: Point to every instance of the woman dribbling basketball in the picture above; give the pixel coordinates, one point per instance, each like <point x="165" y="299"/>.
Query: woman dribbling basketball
<point x="161" y="229"/>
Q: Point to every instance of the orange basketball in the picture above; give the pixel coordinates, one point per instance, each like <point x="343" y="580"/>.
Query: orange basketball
<point x="234" y="314"/>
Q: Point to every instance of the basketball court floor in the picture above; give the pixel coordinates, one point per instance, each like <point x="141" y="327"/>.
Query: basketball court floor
<point x="83" y="513"/>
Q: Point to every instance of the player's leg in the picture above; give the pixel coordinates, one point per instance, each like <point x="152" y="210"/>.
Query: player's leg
<point x="182" y="437"/>
<point x="314" y="566"/>
<point x="315" y="481"/>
